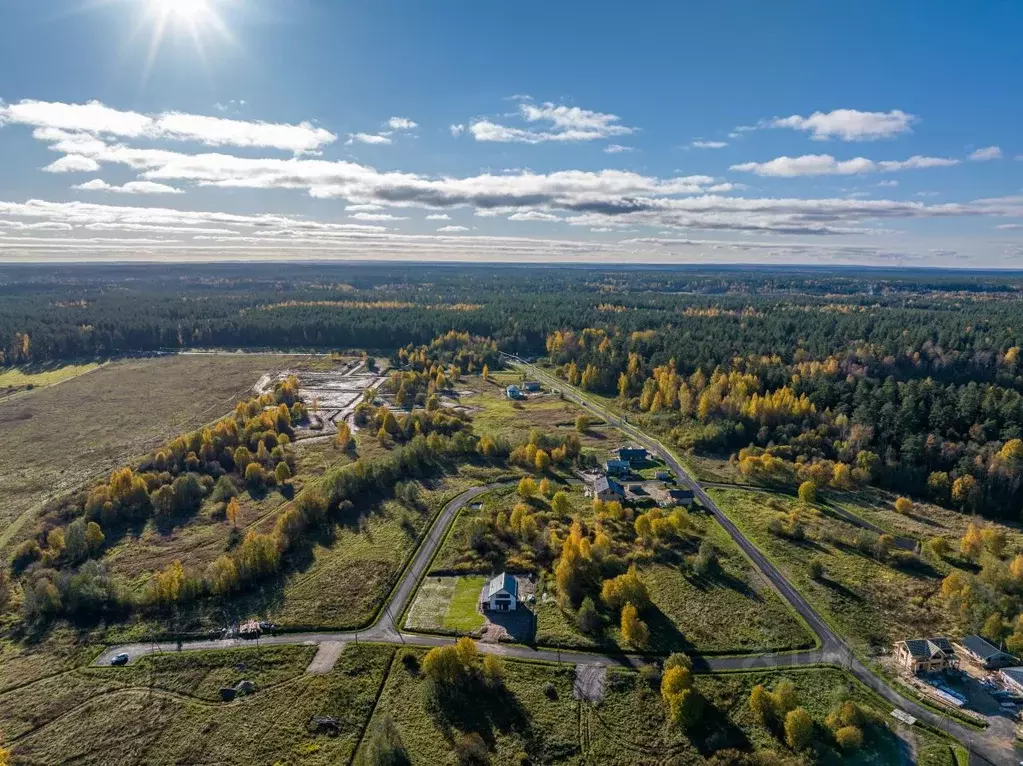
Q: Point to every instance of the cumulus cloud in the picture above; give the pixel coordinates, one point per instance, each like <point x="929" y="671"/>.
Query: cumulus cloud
<point x="452" y="228"/>
<point x="368" y="138"/>
<point x="987" y="153"/>
<point x="96" y="119"/>
<point x="456" y="130"/>
<point x="700" y="144"/>
<point x="73" y="163"/>
<point x="132" y="187"/>
<point x="401" y="123"/>
<point x="377" y="217"/>
<point x="848" y="124"/>
<point x="534" y="215"/>
<point x="564" y="123"/>
<point x="826" y="165"/>
<point x="618" y="149"/>
<point x="438" y="217"/>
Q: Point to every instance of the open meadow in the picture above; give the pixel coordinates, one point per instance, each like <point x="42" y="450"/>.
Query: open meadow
<point x="54" y="440"/>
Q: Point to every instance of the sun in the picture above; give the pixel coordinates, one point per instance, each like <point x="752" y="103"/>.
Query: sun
<point x="190" y="11"/>
<point x="198" y="19"/>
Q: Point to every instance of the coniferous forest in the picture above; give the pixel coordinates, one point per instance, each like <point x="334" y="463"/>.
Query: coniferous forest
<point x="905" y="379"/>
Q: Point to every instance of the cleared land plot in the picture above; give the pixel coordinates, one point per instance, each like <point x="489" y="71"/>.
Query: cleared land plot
<point x="447" y="604"/>
<point x="55" y="439"/>
<point x="872" y="602"/>
<point x="457" y="554"/>
<point x="731" y="611"/>
<point x="201" y="538"/>
<point x="160" y="711"/>
<point x="495" y="414"/>
<point x="345" y="578"/>
<point x="16" y="379"/>
<point x="534" y="713"/>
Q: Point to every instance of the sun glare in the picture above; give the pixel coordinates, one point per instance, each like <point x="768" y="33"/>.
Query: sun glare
<point x="185" y="10"/>
<point x="199" y="19"/>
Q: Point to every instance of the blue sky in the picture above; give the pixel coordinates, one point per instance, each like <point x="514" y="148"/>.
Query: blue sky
<point x="869" y="133"/>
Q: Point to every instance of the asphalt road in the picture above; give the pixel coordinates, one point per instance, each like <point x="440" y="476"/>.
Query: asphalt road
<point x="833" y="649"/>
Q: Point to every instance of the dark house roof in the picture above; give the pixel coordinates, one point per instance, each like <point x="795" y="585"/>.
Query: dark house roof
<point x="982" y="648"/>
<point x="632" y="453"/>
<point x="928" y="648"/>
<point x="503" y="582"/>
<point x="604" y="483"/>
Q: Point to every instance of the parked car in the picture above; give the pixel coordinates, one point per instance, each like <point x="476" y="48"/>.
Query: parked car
<point x="120" y="659"/>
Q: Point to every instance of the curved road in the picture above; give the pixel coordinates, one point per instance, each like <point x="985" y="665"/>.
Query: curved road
<point x="833" y="649"/>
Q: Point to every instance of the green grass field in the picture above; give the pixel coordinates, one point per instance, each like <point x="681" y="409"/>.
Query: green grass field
<point x="166" y="710"/>
<point x="447" y="605"/>
<point x="535" y="717"/>
<point x="870" y="602"/>
<point x="15" y="379"/>
<point x="692" y="613"/>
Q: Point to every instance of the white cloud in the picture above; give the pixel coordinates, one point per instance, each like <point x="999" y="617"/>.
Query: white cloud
<point x="618" y="149"/>
<point x="848" y="124"/>
<point x="699" y="144"/>
<point x="456" y="130"/>
<point x="132" y="187"/>
<point x="97" y="119"/>
<point x="401" y="123"/>
<point x="826" y="165"/>
<point x="73" y="163"/>
<point x="367" y="206"/>
<point x="890" y="183"/>
<point x="452" y="228"/>
<point x="438" y="217"/>
<point x="368" y="138"/>
<point x="534" y="215"/>
<point x="567" y="123"/>
<point x="987" y="153"/>
<point x="1010" y="226"/>
<point x="377" y="217"/>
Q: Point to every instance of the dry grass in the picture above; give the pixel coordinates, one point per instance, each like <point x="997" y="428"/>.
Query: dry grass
<point x="56" y="439"/>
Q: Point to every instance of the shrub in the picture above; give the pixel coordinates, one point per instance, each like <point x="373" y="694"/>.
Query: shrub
<point x="816" y="568"/>
<point x="588" y="619"/>
<point x="798" y="729"/>
<point x="471" y="750"/>
<point x="383" y="746"/>
<point x="26" y="553"/>
<point x="849" y="738"/>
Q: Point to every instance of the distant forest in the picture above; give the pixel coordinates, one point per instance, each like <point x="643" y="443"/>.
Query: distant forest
<point x="908" y="379"/>
<point x="709" y="314"/>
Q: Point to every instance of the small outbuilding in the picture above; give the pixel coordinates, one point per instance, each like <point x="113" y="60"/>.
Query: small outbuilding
<point x="985" y="654"/>
<point x="514" y="392"/>
<point x="501" y="594"/>
<point x="531" y="385"/>
<point x="1012" y="679"/>
<point x="680" y="496"/>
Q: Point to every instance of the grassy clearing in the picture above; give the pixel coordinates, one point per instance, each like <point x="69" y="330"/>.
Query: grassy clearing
<point x="870" y="602"/>
<point x="518" y="719"/>
<point x="15" y="379"/>
<point x="447" y="604"/>
<point x="458" y="555"/>
<point x="535" y="716"/>
<point x="495" y="414"/>
<point x="119" y="717"/>
<point x="693" y="613"/>
<point x="59" y="438"/>
<point x="462" y="614"/>
<point x="347" y="575"/>
<point x="630" y="725"/>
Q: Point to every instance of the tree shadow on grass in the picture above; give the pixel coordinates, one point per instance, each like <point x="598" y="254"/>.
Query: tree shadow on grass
<point x="479" y="707"/>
